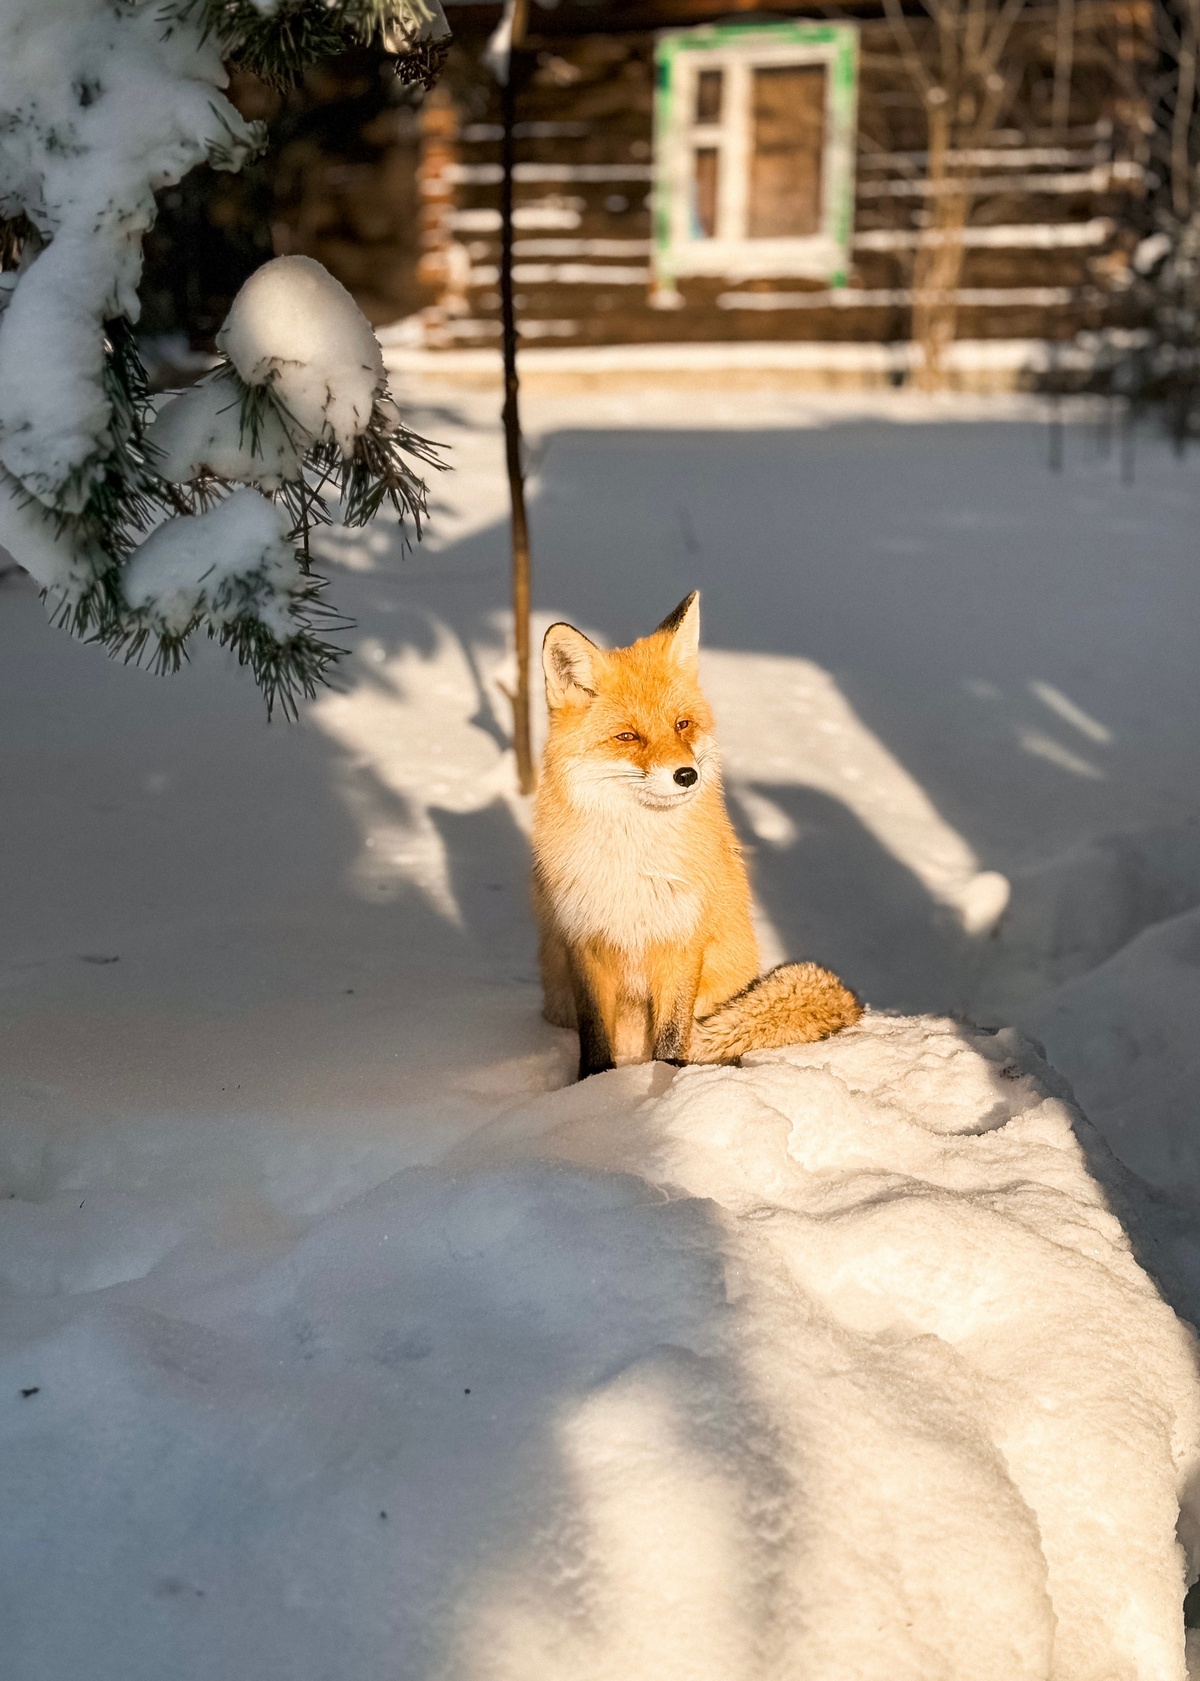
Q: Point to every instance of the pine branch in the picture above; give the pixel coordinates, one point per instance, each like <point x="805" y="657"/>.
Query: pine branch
<point x="118" y="498"/>
<point x="378" y="471"/>
<point x="231" y="153"/>
<point x="271" y="615"/>
<point x="285" y="668"/>
<point x="286" y="672"/>
<point x="126" y="499"/>
<point x="278" y="46"/>
<point x="15" y="234"/>
<point x="122" y="494"/>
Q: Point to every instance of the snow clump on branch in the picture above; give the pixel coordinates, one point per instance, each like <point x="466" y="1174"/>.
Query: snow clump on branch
<point x="297" y="329"/>
<point x="234" y="561"/>
<point x="199" y="434"/>
<point x="300" y="397"/>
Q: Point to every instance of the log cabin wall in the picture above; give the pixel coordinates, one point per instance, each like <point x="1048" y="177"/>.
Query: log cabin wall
<point x="338" y="182"/>
<point x="1046" y="248"/>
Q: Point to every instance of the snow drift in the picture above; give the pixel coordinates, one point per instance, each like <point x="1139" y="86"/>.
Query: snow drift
<point x="836" y="1364"/>
<point x="1126" y="1033"/>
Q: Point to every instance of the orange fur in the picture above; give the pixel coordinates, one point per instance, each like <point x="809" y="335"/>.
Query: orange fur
<point x="640" y="890"/>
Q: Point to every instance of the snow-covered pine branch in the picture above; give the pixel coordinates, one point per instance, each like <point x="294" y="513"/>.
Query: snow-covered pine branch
<point x="298" y="401"/>
<point x="276" y="39"/>
<point x="103" y="103"/>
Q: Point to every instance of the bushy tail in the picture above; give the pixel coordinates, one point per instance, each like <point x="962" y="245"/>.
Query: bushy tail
<point x="792" y="1005"/>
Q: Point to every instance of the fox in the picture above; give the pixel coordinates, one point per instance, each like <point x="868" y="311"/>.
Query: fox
<point x="646" y="942"/>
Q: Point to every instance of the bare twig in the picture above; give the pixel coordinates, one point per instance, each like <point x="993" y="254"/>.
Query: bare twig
<point x="913" y="61"/>
<point x="997" y="41"/>
<point x="1064" y="62"/>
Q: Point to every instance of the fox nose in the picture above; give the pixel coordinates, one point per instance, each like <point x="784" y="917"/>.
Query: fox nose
<point x="685" y="776"/>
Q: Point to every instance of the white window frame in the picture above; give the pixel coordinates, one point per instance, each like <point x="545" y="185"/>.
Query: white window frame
<point x="737" y="50"/>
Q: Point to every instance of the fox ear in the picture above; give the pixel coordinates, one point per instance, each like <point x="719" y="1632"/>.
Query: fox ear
<point x="568" y="661"/>
<point x="683" y="627"/>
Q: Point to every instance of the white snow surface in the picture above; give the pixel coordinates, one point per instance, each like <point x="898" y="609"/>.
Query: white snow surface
<point x="851" y="1362"/>
<point x="833" y="1365"/>
<point x="293" y="325"/>
<point x="1128" y="1035"/>
<point x="103" y="106"/>
<point x="229" y="561"/>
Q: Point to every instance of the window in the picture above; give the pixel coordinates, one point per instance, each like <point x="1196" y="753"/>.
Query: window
<point x="754" y="151"/>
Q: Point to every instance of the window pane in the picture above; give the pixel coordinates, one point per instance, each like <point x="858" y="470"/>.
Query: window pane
<point x="785" y="168"/>
<point x="708" y="96"/>
<point x="704" y="194"/>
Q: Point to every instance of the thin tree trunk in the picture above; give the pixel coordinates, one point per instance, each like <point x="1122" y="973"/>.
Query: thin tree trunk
<point x="522" y="739"/>
<point x="963" y="90"/>
<point x="938" y="267"/>
<point x="1181" y="172"/>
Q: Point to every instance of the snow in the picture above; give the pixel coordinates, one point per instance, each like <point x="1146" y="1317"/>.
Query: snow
<point x="795" y="1368"/>
<point x="104" y="107"/>
<point x="785" y="696"/>
<point x="918" y="1273"/>
<point x="234" y="560"/>
<point x="1126" y="1034"/>
<point x="851" y="1362"/>
<point x="200" y="431"/>
<point x="104" y="104"/>
<point x="28" y="530"/>
<point x="294" y="326"/>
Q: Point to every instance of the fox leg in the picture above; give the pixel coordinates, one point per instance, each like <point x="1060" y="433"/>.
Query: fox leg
<point x="554" y="963"/>
<point x="595" y="1054"/>
<point x="730" y="963"/>
<point x="674" y="1002"/>
<point x="595" y="1011"/>
<point x="558" y="990"/>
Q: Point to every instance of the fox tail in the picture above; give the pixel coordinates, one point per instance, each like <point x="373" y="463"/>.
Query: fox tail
<point x="794" y="1004"/>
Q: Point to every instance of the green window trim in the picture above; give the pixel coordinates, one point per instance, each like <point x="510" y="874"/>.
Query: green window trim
<point x="680" y="54"/>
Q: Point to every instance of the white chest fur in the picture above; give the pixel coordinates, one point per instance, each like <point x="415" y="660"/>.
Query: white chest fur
<point x="625" y="879"/>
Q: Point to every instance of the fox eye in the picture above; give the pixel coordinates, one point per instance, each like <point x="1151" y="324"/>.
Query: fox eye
<point x="683" y="724"/>
<point x="626" y="735"/>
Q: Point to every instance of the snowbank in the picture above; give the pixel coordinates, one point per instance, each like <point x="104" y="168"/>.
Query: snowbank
<point x="1073" y="911"/>
<point x="1127" y="1034"/>
<point x="833" y="1365"/>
